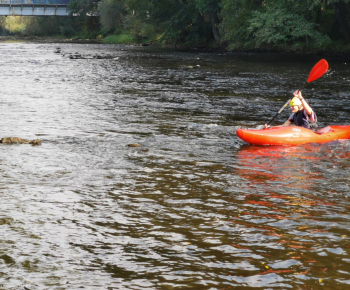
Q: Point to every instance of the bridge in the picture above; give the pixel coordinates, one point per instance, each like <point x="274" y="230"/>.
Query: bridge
<point x="34" y="7"/>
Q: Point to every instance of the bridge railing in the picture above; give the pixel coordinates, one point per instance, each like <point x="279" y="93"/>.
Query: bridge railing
<point x="35" y="2"/>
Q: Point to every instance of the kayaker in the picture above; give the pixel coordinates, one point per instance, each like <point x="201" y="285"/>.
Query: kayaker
<point x="302" y="114"/>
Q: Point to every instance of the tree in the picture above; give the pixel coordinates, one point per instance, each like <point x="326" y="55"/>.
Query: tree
<point x="283" y="25"/>
<point x="212" y="8"/>
<point x="85" y="17"/>
<point x="342" y="12"/>
<point x="191" y="22"/>
<point x="242" y="24"/>
<point x="112" y="14"/>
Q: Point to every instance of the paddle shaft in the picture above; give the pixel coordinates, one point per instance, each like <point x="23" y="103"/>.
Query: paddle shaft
<point x="275" y="116"/>
<point x="303" y="86"/>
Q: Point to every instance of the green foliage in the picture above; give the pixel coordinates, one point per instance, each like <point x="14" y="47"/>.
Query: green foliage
<point x="47" y="26"/>
<point x="207" y="5"/>
<point x="268" y="25"/>
<point x="174" y="22"/>
<point x="140" y="30"/>
<point x="15" y="24"/>
<point x="280" y="28"/>
<point x="112" y="14"/>
<point x="235" y="15"/>
<point x="271" y="25"/>
<point x="34" y="26"/>
<point x="119" y="39"/>
<point x="67" y="30"/>
<point x="84" y="21"/>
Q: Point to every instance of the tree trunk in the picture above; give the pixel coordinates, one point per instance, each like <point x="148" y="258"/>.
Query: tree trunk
<point x="344" y="25"/>
<point x="318" y="18"/>
<point x="347" y="7"/>
<point x="214" y="22"/>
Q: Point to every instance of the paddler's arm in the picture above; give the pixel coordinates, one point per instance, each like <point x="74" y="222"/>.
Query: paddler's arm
<point x="306" y="106"/>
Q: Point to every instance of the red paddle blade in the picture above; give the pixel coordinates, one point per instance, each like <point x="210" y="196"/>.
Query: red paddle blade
<point x="318" y="70"/>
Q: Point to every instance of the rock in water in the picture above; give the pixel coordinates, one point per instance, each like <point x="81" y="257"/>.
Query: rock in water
<point x="17" y="140"/>
<point x="134" y="145"/>
<point x="35" y="142"/>
<point x="13" y="140"/>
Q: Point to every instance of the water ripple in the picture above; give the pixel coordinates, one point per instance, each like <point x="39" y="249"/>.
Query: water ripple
<point x="193" y="207"/>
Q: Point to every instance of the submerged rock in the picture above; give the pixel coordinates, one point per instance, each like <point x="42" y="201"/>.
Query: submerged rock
<point x="35" y="142"/>
<point x="134" y="145"/>
<point x="13" y="140"/>
<point x="17" y="140"/>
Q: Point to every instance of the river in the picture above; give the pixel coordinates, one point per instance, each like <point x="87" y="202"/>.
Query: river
<point x="193" y="207"/>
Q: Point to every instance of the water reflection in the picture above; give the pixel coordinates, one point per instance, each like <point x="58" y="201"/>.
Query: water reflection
<point x="279" y="165"/>
<point x="289" y="204"/>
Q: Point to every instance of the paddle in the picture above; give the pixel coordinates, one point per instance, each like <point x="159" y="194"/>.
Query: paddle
<point x="317" y="71"/>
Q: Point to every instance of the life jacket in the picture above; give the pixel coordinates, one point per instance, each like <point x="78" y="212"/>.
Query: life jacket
<point x="302" y="119"/>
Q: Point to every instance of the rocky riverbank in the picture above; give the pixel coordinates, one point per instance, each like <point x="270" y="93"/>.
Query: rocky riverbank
<point x="45" y="39"/>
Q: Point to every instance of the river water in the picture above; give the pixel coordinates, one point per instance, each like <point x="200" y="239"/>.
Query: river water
<point x="194" y="207"/>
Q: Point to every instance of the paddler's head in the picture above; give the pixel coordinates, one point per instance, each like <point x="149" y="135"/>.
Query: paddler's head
<point x="295" y="105"/>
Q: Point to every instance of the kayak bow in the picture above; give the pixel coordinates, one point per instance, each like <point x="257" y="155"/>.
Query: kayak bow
<point x="293" y="135"/>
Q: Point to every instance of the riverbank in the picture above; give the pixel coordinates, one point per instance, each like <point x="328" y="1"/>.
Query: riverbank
<point x="40" y="39"/>
<point x="336" y="50"/>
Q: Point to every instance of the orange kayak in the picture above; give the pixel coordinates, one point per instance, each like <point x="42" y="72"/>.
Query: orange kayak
<point x="293" y="135"/>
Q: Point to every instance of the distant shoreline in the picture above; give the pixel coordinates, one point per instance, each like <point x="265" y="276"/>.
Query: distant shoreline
<point x="45" y="39"/>
<point x="50" y="39"/>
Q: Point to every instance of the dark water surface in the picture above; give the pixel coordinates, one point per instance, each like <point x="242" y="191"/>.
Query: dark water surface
<point x="194" y="207"/>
